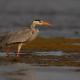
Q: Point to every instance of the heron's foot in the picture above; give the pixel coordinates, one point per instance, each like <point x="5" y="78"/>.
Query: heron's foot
<point x="17" y="55"/>
<point x="7" y="55"/>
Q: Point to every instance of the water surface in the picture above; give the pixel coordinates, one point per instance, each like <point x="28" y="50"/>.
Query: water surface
<point x="22" y="71"/>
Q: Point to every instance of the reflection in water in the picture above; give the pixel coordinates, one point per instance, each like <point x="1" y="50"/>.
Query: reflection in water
<point x="21" y="71"/>
<point x="17" y="72"/>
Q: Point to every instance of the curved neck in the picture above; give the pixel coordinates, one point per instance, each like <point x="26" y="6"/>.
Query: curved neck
<point x="33" y="26"/>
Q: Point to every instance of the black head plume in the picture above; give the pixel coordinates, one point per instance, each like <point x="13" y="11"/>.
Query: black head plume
<point x="37" y="20"/>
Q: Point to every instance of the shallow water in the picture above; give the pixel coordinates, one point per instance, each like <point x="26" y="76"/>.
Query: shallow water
<point x="21" y="71"/>
<point x="58" y="53"/>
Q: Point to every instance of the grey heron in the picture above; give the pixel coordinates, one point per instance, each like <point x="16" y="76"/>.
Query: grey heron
<point x="27" y="34"/>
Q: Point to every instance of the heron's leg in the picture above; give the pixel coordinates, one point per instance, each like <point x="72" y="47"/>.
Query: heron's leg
<point x="19" y="48"/>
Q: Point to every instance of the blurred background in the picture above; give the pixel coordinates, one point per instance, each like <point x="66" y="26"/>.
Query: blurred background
<point x="63" y="14"/>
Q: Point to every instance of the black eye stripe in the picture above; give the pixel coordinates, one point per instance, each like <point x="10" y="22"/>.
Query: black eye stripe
<point x="37" y="20"/>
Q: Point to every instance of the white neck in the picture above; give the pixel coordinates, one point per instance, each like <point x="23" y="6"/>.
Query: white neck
<point x="33" y="26"/>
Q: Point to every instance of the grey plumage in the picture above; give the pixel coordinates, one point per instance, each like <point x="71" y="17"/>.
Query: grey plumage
<point x="19" y="36"/>
<point x="23" y="35"/>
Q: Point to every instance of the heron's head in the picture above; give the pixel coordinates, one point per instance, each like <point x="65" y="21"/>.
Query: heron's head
<point x="41" y="23"/>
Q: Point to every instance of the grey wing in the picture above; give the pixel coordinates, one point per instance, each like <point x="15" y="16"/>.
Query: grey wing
<point x="19" y="36"/>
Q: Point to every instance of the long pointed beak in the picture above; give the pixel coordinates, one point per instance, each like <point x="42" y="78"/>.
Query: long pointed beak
<point x="46" y="24"/>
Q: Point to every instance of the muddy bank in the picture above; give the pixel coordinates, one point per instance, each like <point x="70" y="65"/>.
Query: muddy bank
<point x="48" y="44"/>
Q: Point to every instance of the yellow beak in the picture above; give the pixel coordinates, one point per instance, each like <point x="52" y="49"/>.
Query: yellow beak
<point x="46" y="24"/>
